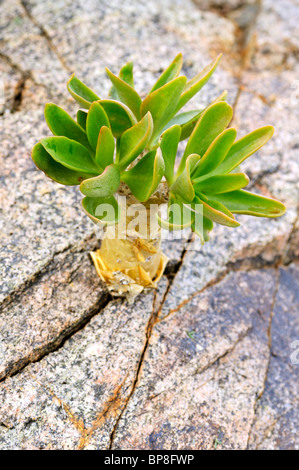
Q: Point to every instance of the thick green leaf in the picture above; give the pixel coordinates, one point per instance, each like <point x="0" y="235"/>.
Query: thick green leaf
<point x="70" y="154"/>
<point x="144" y="178"/>
<point x="126" y="93"/>
<point x="203" y="229"/>
<point x="213" y="121"/>
<point x="169" y="144"/>
<point x="104" y="185"/>
<point x="105" y="148"/>
<point x="179" y="216"/>
<point x="162" y="102"/>
<point x="195" y="85"/>
<point x="170" y="73"/>
<point x="103" y="211"/>
<point x="215" y="154"/>
<point x="120" y="116"/>
<point x="187" y="127"/>
<point x="222" y="183"/>
<point x="96" y="118"/>
<point x="80" y="92"/>
<point x="184" y="118"/>
<point x="245" y="147"/>
<point x="135" y="140"/>
<point x="126" y="74"/>
<point x="216" y="211"/>
<point x="200" y="225"/>
<point x="61" y="124"/>
<point x="81" y="118"/>
<point x="188" y="120"/>
<point x="183" y="185"/>
<point x="54" y="170"/>
<point x="244" y="202"/>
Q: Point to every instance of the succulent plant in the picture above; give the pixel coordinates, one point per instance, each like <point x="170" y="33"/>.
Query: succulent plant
<point x="128" y="145"/>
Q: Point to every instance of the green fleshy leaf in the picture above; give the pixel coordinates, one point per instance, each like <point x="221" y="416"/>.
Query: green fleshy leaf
<point x="81" y="118"/>
<point x="216" y="211"/>
<point x="120" y="116"/>
<point x="135" y="140"/>
<point x="61" y="124"/>
<point x="70" y="154"/>
<point x="220" y="184"/>
<point x="96" y="118"/>
<point x="80" y="92"/>
<point x="54" y="170"/>
<point x="169" y="142"/>
<point x="162" y="102"/>
<point x="203" y="230"/>
<point x="144" y="178"/>
<point x="244" y="202"/>
<point x="179" y="216"/>
<point x="105" y="148"/>
<point x="201" y="225"/>
<point x="213" y="121"/>
<point x="183" y="185"/>
<point x="245" y="147"/>
<point x="188" y="127"/>
<point x="126" y="93"/>
<point x="188" y="120"/>
<point x="170" y="73"/>
<point x="126" y="74"/>
<point x="195" y="85"/>
<point x="104" y="211"/>
<point x="104" y="185"/>
<point x="215" y="154"/>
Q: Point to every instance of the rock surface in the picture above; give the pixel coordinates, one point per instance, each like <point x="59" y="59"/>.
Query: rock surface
<point x="208" y="361"/>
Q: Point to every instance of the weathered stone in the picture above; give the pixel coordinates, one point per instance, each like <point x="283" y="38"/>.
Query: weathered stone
<point x="204" y="365"/>
<point x="11" y="79"/>
<point x="32" y="418"/>
<point x="276" y="424"/>
<point x="90" y="379"/>
<point x="293" y="249"/>
<point x="277" y="35"/>
<point x="153" y="31"/>
<point x="222" y="6"/>
<point x="58" y="303"/>
<point x="25" y="43"/>
<point x="180" y="368"/>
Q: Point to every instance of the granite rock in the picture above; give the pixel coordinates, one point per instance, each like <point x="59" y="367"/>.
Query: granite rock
<point x="208" y="360"/>
<point x="276" y="422"/>
<point x="89" y="379"/>
<point x="203" y="367"/>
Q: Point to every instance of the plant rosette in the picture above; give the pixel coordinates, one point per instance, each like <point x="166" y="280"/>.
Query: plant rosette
<point x="122" y="152"/>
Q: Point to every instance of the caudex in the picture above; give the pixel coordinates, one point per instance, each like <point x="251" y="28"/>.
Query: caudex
<point x="125" y="145"/>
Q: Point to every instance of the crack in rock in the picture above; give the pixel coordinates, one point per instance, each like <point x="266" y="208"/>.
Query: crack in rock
<point x="269" y="333"/>
<point x="45" y="34"/>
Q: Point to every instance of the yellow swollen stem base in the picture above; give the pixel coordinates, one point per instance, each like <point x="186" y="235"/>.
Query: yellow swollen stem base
<point x="128" y="266"/>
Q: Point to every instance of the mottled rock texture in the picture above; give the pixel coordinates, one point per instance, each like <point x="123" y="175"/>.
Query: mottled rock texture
<point x="210" y="360"/>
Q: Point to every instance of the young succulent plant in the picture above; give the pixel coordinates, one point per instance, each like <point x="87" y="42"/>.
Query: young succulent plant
<point x="128" y="145"/>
